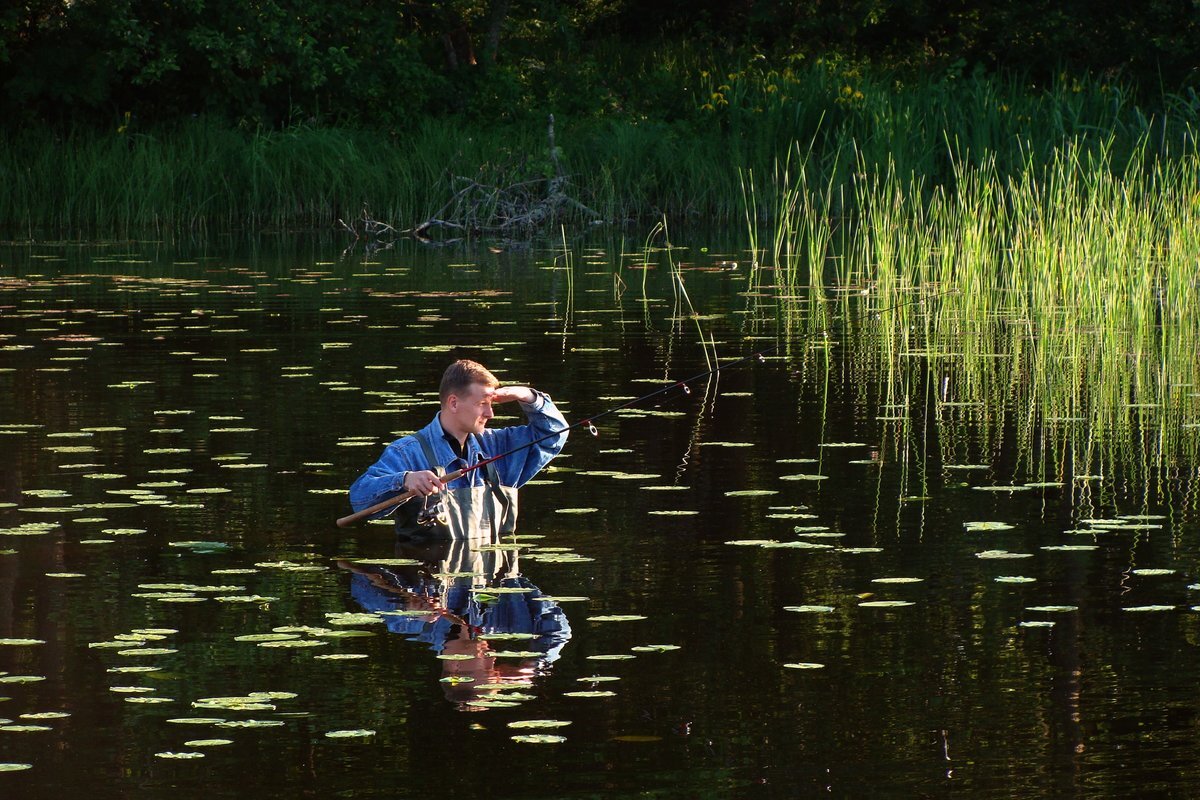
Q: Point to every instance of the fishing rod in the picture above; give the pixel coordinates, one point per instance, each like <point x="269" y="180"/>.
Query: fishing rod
<point x="588" y="422"/>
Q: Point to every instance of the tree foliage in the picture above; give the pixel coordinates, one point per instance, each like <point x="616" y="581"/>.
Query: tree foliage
<point x="275" y="62"/>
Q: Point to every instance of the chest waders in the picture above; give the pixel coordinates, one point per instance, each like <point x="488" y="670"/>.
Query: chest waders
<point x="479" y="514"/>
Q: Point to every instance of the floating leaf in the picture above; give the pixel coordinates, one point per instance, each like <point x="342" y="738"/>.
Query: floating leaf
<point x="1014" y="579"/>
<point x="885" y="604"/>
<point x="539" y="723"/>
<point x="804" y="665"/>
<point x="538" y="738"/>
<point x="1052" y="609"/>
<point x="1149" y="608"/>
<point x="611" y="657"/>
<point x="987" y="526"/>
<point x="1002" y="554"/>
<point x="897" y="580"/>
<point x="25" y="728"/>
<point x="1037" y="623"/>
<point x="616" y="618"/>
<point x="360" y="733"/>
<point x="809" y="609"/>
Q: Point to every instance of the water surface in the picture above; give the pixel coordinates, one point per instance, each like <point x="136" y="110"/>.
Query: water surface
<point x="181" y="423"/>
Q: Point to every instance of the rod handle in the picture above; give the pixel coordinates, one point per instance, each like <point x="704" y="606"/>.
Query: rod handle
<point x="384" y="505"/>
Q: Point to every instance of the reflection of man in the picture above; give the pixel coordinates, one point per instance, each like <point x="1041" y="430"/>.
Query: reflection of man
<point x="445" y="603"/>
<point x="458" y="437"/>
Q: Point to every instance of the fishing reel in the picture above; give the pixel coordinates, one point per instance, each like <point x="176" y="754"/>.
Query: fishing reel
<point x="432" y="514"/>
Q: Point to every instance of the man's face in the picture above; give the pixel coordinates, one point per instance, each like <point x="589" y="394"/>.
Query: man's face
<point x="471" y="410"/>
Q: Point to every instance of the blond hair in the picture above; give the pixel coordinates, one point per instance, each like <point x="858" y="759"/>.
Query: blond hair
<point x="459" y="376"/>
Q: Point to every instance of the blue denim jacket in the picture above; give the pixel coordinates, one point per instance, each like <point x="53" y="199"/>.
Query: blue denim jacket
<point x="385" y="478"/>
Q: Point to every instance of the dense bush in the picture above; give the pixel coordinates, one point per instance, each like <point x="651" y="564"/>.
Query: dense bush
<point x="277" y="62"/>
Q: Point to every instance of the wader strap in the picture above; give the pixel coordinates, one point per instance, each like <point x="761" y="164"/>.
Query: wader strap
<point x="492" y="477"/>
<point x="430" y="456"/>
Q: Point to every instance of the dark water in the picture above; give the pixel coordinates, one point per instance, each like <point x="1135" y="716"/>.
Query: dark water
<point x="277" y="375"/>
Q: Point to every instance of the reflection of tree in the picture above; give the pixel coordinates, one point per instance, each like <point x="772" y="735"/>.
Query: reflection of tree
<point x="467" y="600"/>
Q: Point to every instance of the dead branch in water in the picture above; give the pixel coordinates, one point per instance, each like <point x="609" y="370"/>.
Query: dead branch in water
<point x="481" y="208"/>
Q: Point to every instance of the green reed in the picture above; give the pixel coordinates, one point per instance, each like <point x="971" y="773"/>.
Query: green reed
<point x="687" y="136"/>
<point x="1072" y="320"/>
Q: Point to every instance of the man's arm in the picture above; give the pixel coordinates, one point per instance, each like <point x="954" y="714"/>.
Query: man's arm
<point x="543" y="420"/>
<point x="386" y="477"/>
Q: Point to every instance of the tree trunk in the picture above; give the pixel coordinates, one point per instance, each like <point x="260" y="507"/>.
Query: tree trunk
<point x="491" y="44"/>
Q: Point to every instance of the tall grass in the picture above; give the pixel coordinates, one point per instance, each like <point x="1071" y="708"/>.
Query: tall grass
<point x="1061" y="296"/>
<point x="683" y="149"/>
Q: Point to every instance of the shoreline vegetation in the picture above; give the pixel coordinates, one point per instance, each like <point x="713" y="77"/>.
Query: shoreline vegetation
<point x="729" y="134"/>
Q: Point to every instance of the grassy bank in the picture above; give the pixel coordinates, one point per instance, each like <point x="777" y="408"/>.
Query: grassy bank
<point x="714" y="131"/>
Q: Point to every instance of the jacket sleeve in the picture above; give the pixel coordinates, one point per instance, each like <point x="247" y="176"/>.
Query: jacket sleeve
<point x="385" y="478"/>
<point x="544" y="420"/>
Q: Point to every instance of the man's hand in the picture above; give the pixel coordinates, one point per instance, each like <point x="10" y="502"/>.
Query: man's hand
<point x="503" y="394"/>
<point x="422" y="483"/>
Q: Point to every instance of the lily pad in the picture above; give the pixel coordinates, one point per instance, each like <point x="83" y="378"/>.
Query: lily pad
<point x="539" y="723"/>
<point x="654" y="648"/>
<point x="1002" y="554"/>
<point x="987" y="526"/>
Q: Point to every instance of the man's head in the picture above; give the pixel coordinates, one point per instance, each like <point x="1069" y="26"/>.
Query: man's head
<point x="465" y="393"/>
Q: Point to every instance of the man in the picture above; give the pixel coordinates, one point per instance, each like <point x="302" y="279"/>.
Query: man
<point x="482" y="503"/>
